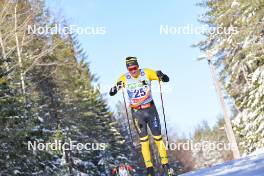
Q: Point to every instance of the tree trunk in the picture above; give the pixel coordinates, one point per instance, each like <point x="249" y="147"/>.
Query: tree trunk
<point x="228" y="127"/>
<point x="3" y="51"/>
<point x="22" y="78"/>
<point x="69" y="161"/>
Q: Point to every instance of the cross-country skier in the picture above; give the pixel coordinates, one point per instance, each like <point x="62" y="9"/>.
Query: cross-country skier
<point x="138" y="84"/>
<point x="122" y="169"/>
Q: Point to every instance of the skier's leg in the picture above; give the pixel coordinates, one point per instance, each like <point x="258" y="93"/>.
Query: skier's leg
<point x="162" y="149"/>
<point x="141" y="127"/>
<point x="145" y="149"/>
<point x="154" y="125"/>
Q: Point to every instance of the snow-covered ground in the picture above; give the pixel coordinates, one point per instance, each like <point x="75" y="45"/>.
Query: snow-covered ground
<point x="252" y="165"/>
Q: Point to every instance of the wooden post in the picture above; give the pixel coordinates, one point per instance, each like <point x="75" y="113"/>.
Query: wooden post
<point x="228" y="126"/>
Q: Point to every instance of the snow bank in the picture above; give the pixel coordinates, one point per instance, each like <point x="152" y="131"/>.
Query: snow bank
<point x="248" y="166"/>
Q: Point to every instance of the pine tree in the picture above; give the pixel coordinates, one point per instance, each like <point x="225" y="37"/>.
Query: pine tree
<point x="239" y="56"/>
<point x="48" y="95"/>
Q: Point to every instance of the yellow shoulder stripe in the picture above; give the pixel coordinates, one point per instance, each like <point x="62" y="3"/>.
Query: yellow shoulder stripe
<point x="151" y="74"/>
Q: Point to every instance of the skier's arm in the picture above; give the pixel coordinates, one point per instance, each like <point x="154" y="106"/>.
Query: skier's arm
<point x="120" y="83"/>
<point x="156" y="75"/>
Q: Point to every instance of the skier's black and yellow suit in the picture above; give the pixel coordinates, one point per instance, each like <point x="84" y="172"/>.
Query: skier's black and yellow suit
<point x="144" y="112"/>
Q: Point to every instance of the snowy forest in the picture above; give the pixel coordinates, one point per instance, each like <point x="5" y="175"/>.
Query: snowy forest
<point x="48" y="94"/>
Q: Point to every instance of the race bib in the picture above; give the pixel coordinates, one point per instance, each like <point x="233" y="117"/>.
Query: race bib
<point x="139" y="90"/>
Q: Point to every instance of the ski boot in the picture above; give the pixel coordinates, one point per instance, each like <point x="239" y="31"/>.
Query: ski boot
<point x="150" y="171"/>
<point x="167" y="171"/>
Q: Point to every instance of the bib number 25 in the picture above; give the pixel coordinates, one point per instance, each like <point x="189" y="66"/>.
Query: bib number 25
<point x="139" y="93"/>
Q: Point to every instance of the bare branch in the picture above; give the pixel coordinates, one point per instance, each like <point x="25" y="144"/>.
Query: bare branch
<point x="36" y="58"/>
<point x="48" y="64"/>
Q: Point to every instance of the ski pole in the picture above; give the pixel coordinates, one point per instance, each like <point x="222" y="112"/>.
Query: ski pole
<point x="164" y="117"/>
<point x="127" y="117"/>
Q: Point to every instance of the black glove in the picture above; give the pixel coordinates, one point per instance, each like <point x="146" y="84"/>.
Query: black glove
<point x="113" y="91"/>
<point x="162" y="77"/>
<point x="117" y="87"/>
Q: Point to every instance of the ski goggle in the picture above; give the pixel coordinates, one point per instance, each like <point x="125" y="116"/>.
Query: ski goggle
<point x="132" y="68"/>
